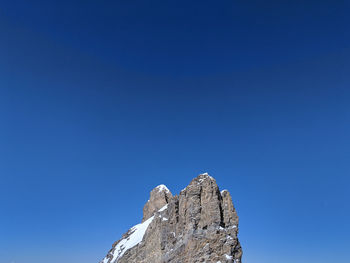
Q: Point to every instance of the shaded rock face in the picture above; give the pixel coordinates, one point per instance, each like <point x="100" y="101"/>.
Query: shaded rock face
<point x="198" y="225"/>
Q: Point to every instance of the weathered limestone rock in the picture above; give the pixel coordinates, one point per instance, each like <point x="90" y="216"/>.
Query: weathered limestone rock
<point x="159" y="197"/>
<point x="198" y="225"/>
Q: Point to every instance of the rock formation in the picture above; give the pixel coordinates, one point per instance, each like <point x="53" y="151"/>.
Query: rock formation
<point x="198" y="225"/>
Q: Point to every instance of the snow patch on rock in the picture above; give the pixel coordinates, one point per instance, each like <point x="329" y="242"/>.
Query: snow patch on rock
<point x="136" y="236"/>
<point x="162" y="188"/>
<point x="163" y="208"/>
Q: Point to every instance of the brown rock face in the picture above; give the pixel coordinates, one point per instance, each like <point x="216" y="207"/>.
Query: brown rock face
<point x="159" y="197"/>
<point x="198" y="225"/>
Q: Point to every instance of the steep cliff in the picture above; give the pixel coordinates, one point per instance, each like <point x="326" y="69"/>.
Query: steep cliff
<point x="198" y="225"/>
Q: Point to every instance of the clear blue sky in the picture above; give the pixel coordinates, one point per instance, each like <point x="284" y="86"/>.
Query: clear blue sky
<point x="100" y="101"/>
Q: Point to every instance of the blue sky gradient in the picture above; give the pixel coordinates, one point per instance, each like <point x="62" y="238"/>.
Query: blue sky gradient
<point x="100" y="101"/>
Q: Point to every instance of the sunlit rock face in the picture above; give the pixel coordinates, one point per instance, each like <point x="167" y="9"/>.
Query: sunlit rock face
<point x="159" y="197"/>
<point x="198" y="225"/>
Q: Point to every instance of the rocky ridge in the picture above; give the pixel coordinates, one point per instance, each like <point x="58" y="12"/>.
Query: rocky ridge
<point x="198" y="225"/>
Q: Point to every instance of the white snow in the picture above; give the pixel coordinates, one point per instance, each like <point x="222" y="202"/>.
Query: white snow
<point x="136" y="236"/>
<point x="163" y="208"/>
<point x="228" y="257"/>
<point x="207" y="175"/>
<point x="132" y="240"/>
<point x="202" y="179"/>
<point x="162" y="188"/>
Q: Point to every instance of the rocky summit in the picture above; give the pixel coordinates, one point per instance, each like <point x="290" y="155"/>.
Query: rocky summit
<point x="198" y="225"/>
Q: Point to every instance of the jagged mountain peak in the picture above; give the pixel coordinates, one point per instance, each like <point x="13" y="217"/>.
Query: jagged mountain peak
<point x="198" y="225"/>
